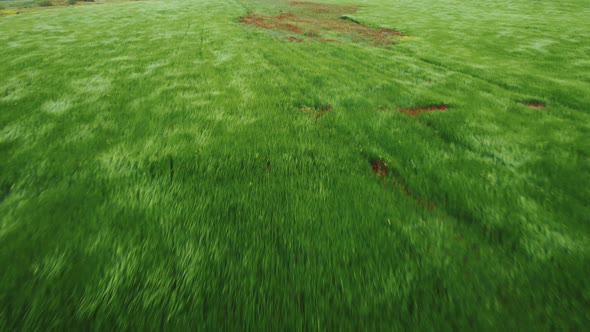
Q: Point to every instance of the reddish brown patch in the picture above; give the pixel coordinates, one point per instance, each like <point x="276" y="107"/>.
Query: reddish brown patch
<point x="417" y="110"/>
<point x="535" y="104"/>
<point x="320" y="21"/>
<point x="293" y="38"/>
<point x="320" y="7"/>
<point x="379" y="167"/>
<point x="317" y="111"/>
<point x="270" y="23"/>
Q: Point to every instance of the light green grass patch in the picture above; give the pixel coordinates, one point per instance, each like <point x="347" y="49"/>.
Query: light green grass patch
<point x="59" y="106"/>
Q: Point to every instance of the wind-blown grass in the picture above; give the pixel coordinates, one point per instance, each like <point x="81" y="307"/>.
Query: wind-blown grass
<point x="160" y="169"/>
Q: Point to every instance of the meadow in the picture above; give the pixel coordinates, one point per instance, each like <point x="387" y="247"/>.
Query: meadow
<point x="272" y="165"/>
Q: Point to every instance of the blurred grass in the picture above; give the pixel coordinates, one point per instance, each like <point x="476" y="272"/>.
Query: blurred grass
<point x="157" y="170"/>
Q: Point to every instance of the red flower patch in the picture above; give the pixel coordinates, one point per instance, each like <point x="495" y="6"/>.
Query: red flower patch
<point x="379" y="167"/>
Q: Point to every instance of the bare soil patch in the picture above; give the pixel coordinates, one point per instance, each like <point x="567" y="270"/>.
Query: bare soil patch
<point x="535" y="104"/>
<point x="417" y="110"/>
<point x="322" y="22"/>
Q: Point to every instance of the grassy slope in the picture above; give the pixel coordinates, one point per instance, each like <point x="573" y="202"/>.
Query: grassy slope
<point x="134" y="188"/>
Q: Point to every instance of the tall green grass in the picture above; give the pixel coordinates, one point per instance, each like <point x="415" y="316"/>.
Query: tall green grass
<point x="157" y="170"/>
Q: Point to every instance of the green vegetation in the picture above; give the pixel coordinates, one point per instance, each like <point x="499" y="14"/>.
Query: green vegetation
<point x="8" y="7"/>
<point x="44" y="3"/>
<point x="164" y="165"/>
<point x="20" y="4"/>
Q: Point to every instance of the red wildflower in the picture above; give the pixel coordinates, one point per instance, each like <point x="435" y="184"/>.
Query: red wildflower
<point x="379" y="167"/>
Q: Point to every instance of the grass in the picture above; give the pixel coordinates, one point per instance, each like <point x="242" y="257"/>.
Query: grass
<point x="16" y="7"/>
<point x="162" y="168"/>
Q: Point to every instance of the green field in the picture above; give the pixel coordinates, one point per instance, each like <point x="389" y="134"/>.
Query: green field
<point x="203" y="165"/>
